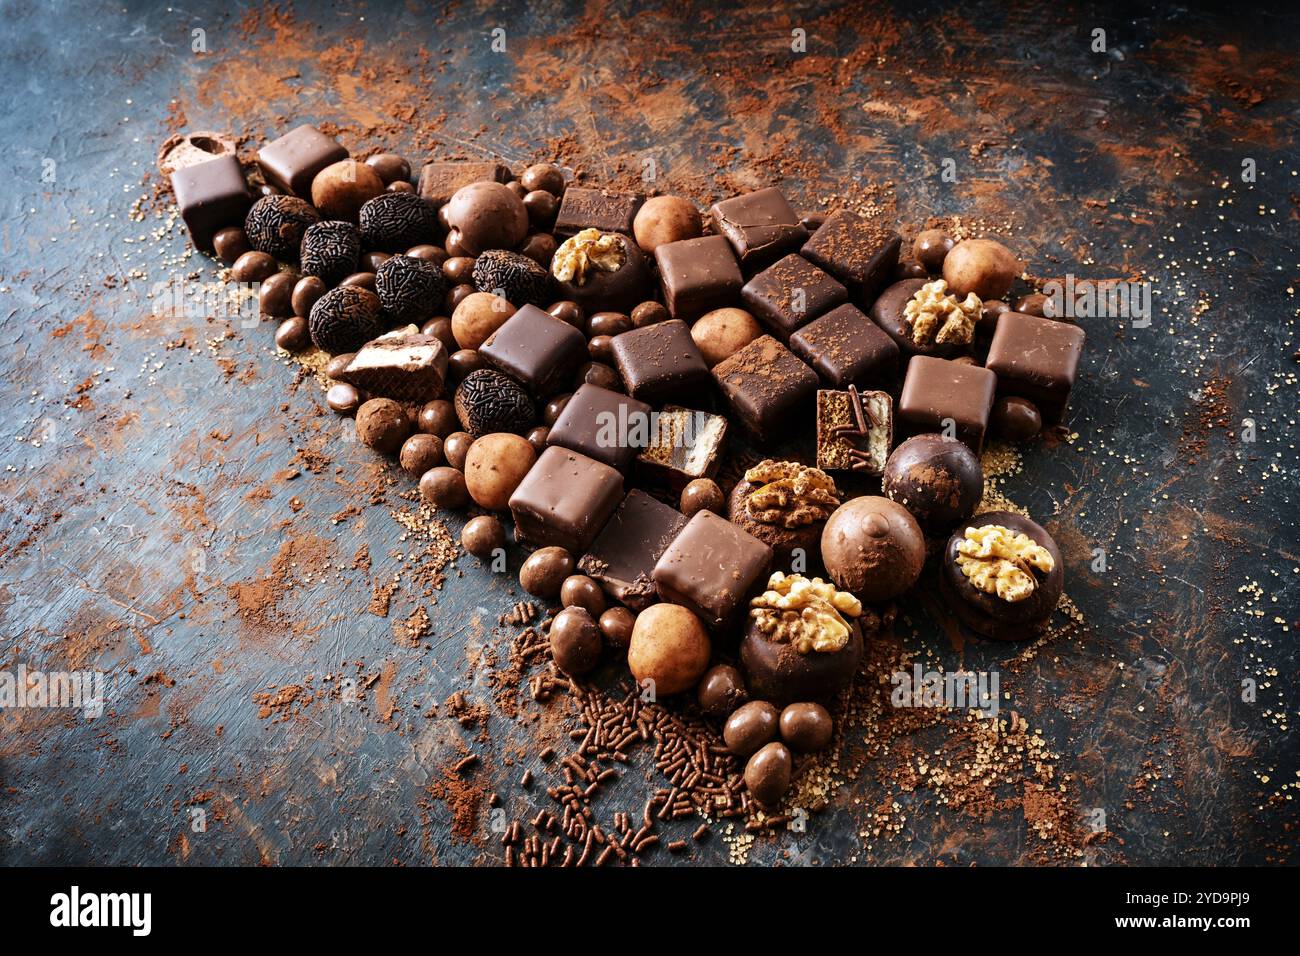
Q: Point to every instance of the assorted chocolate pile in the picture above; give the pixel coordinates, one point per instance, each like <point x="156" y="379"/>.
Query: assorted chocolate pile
<point x="576" y="359"/>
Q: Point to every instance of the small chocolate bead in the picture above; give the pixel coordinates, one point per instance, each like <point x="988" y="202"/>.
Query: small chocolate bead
<point x="931" y="248"/>
<point x="601" y="349"/>
<point x="438" y="417"/>
<point x="608" y="323"/>
<point x="1016" y="419"/>
<point x="538" y="438"/>
<point x="540" y="247"/>
<point x="459" y="270"/>
<point x="575" y="641"/>
<point x="482" y="536"/>
<point x="648" y="313"/>
<point x="570" y="312"/>
<point x="337" y="363"/>
<point x="542" y="207"/>
<point x="455" y="447"/>
<point x="462" y="362"/>
<point x="401" y="186"/>
<point x="543" y="176"/>
<point x="230" y="243"/>
<point x="578" y="590"/>
<point x="343" y="398"/>
<point x="371" y="261"/>
<point x="517" y="188"/>
<point x="703" y="494"/>
<point x="419" y="453"/>
<point x="456" y="296"/>
<point x="254" y="267"/>
<point x="544" y="572"/>
<point x="554" y="407"/>
<point x="598" y="373"/>
<point x="275" y="297"/>
<point x="364" y="280"/>
<point x="721" y="691"/>
<point x="429" y="253"/>
<point x="305" y="293"/>
<point x="293" y="335"/>
<point x="616" y="625"/>
<point x="444" y="487"/>
<point x="806" y="728"/>
<point x="390" y="167"/>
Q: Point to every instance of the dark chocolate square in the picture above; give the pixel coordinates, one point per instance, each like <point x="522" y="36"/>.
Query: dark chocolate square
<point x="698" y="276"/>
<point x="535" y="347"/>
<point x="949" y="397"/>
<point x="846" y="348"/>
<point x="1037" y="359"/>
<point x="760" y="226"/>
<point x="861" y="253"/>
<point x="624" y="554"/>
<point x="770" y="391"/>
<point x="604" y="425"/>
<point x="292" y="161"/>
<point x="711" y="567"/>
<point x="439" y="181"/>
<point x="211" y="196"/>
<point x="660" y="362"/>
<point x="790" y="294"/>
<point x="564" y="500"/>
<point x="584" y="208"/>
<point x="684" y="445"/>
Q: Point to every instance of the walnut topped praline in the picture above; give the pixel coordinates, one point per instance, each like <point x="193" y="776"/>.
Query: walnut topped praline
<point x="601" y="271"/>
<point x="785" y="505"/>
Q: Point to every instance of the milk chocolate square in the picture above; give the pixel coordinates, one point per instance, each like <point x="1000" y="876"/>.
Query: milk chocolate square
<point x="603" y="209"/>
<point x="624" y="554"/>
<point x="439" y="181"/>
<point x="861" y="253"/>
<point x="564" y="500"/>
<point x="607" y="426"/>
<point x="791" y="293"/>
<point x="768" y="388"/>
<point x="211" y="196"/>
<point x="760" y="226"/>
<point x="698" y="276"/>
<point x="292" y="161"/>
<point x="846" y="348"/>
<point x="711" y="567"/>
<point x="538" y="349"/>
<point x="946" y="397"/>
<point x="1037" y="359"/>
<point x="660" y="362"/>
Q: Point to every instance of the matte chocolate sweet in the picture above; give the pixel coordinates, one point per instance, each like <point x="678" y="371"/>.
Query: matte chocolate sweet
<point x="938" y="479"/>
<point x="409" y="289"/>
<point x="846" y="348"/>
<point x="760" y="226"/>
<point x="697" y="276"/>
<point x="565" y="500"/>
<point x="1036" y="359"/>
<point x="873" y="548"/>
<point x="785" y="505"/>
<point x="947" y="397"/>
<point x="211" y="196"/>
<point x="607" y="426"/>
<point x="660" y="362"/>
<point x="859" y="252"/>
<point x="490" y="401"/>
<point x="855" y="430"/>
<point x="684" y="445"/>
<point x="624" y="554"/>
<point x="603" y="209"/>
<point x="292" y="161"/>
<point x="711" y="567"/>
<point x="537" y="349"/>
<point x="767" y="387"/>
<point x="399" y="365"/>
<point x="439" y="181"/>
<point x="791" y="293"/>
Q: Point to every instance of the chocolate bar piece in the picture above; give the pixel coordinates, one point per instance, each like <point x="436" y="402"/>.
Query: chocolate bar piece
<point x="537" y="349"/>
<point x="439" y="181"/>
<point x="564" y="500"/>
<point x="624" y="554"/>
<point x="768" y="388"/>
<point x="760" y="226"/>
<point x="401" y="364"/>
<point x="684" y="445"/>
<point x="603" y="425"/>
<point x="861" y="253"/>
<point x="584" y="208"/>
<point x="948" y="397"/>
<point x="1037" y="359"/>
<point x="847" y="348"/>
<point x="292" y="161"/>
<point x="711" y="567"/>
<point x="660" y="362"/>
<point x="855" y="430"/>
<point x="791" y="293"/>
<point x="698" y="275"/>
<point x="210" y="196"/>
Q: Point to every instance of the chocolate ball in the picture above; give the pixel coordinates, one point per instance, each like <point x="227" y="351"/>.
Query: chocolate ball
<point x="988" y="323"/>
<point x="930" y="248"/>
<point x="444" y="487"/>
<point x="429" y="253"/>
<point x="276" y="224"/>
<point x="722" y="333"/>
<point x="486" y="216"/>
<point x="599" y="374"/>
<point x="1033" y="304"/>
<point x="419" y="453"/>
<point x="344" y="319"/>
<point x="542" y="207"/>
<point x="617" y="624"/>
<point x="767" y="775"/>
<point x="331" y="250"/>
<point x="806" y="727"/>
<point x="275" y="297"/>
<point x="306" y="292"/>
<point x="575" y="641"/>
<point x="721" y="691"/>
<point x="554" y="408"/>
<point x="570" y="312"/>
<point x="292" y="335"/>
<point x="409" y="289"/>
<point x="382" y="425"/>
<point x="371" y="261"/>
<point x="751" y="726"/>
<point x="456" y="296"/>
<point x="463" y="363"/>
<point x="544" y="572"/>
<point x="907" y="269"/>
<point x="343" y="398"/>
<point x="663" y="219"/>
<point x="937" y="478"/>
<point x="438" y="417"/>
<point x="649" y="313"/>
<point x="601" y="349"/>
<point x="669" y="647"/>
<point x="703" y="494"/>
<point x="517" y="188"/>
<point x="341" y="189"/>
<point x="608" y="323"/>
<point x="543" y="176"/>
<point x="540" y="247"/>
<point x="1016" y="419"/>
<point x="338" y="364"/>
<point x="477" y="317"/>
<point x="491" y="401"/>
<point x="390" y="167"/>
<point x="440" y="328"/>
<point x="595" y="289"/>
<point x="455" y="447"/>
<point x="360" y="280"/>
<point x="400" y="186"/>
<point x="982" y="266"/>
<point x="494" y="466"/>
<point x="254" y="267"/>
<point x="459" y="270"/>
<point x="482" y="536"/>
<point x="394" y="221"/>
<point x="873" y="548"/>
<point x="778" y="672"/>
<point x="539" y="438"/>
<point x="230" y="243"/>
<point x="578" y="590"/>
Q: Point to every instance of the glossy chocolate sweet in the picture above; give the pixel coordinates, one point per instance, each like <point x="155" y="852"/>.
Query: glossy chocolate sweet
<point x="624" y="554"/>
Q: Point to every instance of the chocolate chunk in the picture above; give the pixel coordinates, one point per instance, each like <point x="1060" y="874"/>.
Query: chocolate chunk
<point x="947" y="397"/>
<point x="698" y="275"/>
<point x="564" y="500"/>
<point x="684" y="445"/>
<point x="584" y="208"/>
<point x="660" y="362"/>
<point x="399" y="365"/>
<point x="854" y="430"/>
<point x="790" y="294"/>
<point x="537" y="349"/>
<point x="859" y="252"/>
<point x="604" y="425"/>
<point x="292" y="161"/>
<point x="768" y="388"/>
<point x="439" y="181"/>
<point x="625" y="552"/>
<point x="760" y="226"/>
<point x="211" y="196"/>
<point x="1036" y="359"/>
<point x="846" y="348"/>
<point x="711" y="567"/>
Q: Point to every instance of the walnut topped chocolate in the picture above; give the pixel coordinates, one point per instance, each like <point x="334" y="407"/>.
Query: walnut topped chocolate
<point x="936" y="316"/>
<point x="997" y="560"/>
<point x="810" y="615"/>
<point x="601" y="271"/>
<point x="784" y="504"/>
<point x="581" y="255"/>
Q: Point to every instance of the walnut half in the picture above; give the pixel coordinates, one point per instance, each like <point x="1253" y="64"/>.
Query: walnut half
<point x="808" y="614"/>
<point x="937" y="316"/>
<point x="997" y="560"/>
<point x="790" y="494"/>
<point x="580" y="255"/>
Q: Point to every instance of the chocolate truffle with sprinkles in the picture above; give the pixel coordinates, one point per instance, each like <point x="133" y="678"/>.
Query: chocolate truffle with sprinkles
<point x="514" y="277"/>
<point x="330" y="250"/>
<point x="410" y="290"/>
<point x="393" y="222"/>
<point x="344" y="319"/>
<point x="276" y="224"/>
<point x="490" y="401"/>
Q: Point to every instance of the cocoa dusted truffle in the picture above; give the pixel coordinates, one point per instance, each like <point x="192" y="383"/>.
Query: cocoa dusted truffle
<point x="483" y="216"/>
<point x="514" y="277"/>
<point x="276" y="224"/>
<point x="937" y="478"/>
<point x="601" y="271"/>
<point x="330" y="251"/>
<point x="410" y="290"/>
<point x="785" y="505"/>
<point x="393" y="222"/>
<point x="873" y="548"/>
<point x="344" y="319"/>
<point x="491" y="401"/>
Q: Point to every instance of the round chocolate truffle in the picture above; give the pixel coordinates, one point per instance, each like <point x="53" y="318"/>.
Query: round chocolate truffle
<point x="543" y="573"/>
<point x="477" y="316"/>
<point x="419" y="453"/>
<point x="601" y="271"/>
<point x="663" y="219"/>
<point x="889" y="311"/>
<point x="484" y="216"/>
<point x="937" y="478"/>
<point x="575" y="641"/>
<point x="331" y="250"/>
<point x="482" y="536"/>
<point x="785" y="505"/>
<point x="494" y="466"/>
<point x="722" y="333"/>
<point x="669" y="647"/>
<point x="1002" y="574"/>
<point x="392" y="222"/>
<point x="1016" y="419"/>
<point x="873" y="548"/>
<point x="382" y="425"/>
<point x="410" y="290"/>
<point x="750" y="726"/>
<point x="702" y="494"/>
<point x="767" y="775"/>
<point x="276" y="224"/>
<point x="514" y="277"/>
<point x="340" y="189"/>
<point x="491" y="401"/>
<point x="344" y="319"/>
<point x="806" y="727"/>
<point x="982" y="266"/>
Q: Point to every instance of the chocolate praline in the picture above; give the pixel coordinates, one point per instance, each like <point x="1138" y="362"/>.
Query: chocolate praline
<point x="873" y="548"/>
<point x="784" y="539"/>
<point x="619" y="291"/>
<point x="937" y="478"/>
<point x="486" y="215"/>
<point x="776" y="671"/>
<point x="888" y="313"/>
<point x="988" y="614"/>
